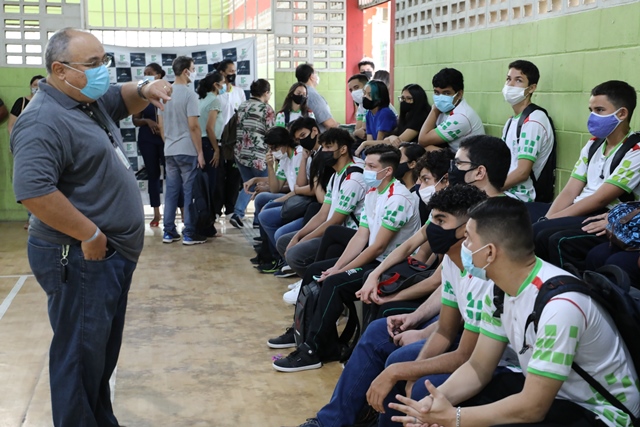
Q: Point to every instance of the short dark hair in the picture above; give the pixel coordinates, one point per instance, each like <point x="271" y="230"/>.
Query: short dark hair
<point x="620" y="94"/>
<point x="383" y="76"/>
<point x="277" y="137"/>
<point x="366" y="62"/>
<point x="505" y="222"/>
<point x="34" y="78"/>
<point x="304" y="72"/>
<point x="448" y="77"/>
<point x="360" y="77"/>
<point x="413" y="151"/>
<point x="206" y="85"/>
<point x="303" y="123"/>
<point x="437" y="162"/>
<point x="527" y="68"/>
<point x="379" y="92"/>
<point x="389" y="155"/>
<point x="157" y="69"/>
<point x="490" y="152"/>
<point x="180" y="64"/>
<point x="340" y="136"/>
<point x="457" y="200"/>
<point x="222" y="65"/>
<point x="259" y="87"/>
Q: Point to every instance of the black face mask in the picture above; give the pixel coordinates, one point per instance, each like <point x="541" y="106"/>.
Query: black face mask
<point x="328" y="159"/>
<point x="405" y="107"/>
<point x="231" y="78"/>
<point x="369" y="74"/>
<point x="369" y="104"/>
<point x="440" y="239"/>
<point x="456" y="176"/>
<point x="403" y="168"/>
<point x="298" y="99"/>
<point x="308" y="143"/>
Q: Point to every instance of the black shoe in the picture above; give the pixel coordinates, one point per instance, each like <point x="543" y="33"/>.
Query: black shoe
<point x="311" y="422"/>
<point x="301" y="359"/>
<point x="256" y="260"/>
<point x="194" y="239"/>
<point x="286" y="340"/>
<point x="236" y="221"/>
<point x="258" y="239"/>
<point x="271" y="267"/>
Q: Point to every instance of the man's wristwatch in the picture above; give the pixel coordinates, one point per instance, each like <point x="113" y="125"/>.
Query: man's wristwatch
<point x="141" y="84"/>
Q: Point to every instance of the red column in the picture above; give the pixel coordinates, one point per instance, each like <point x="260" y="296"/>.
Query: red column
<point x="354" y="51"/>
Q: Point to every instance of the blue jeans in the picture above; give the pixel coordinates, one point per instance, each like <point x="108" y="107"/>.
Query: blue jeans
<point x="270" y="220"/>
<point x="243" y="198"/>
<point x="180" y="174"/>
<point x="265" y="199"/>
<point x="87" y="302"/>
<point x="292" y="227"/>
<point x="367" y="361"/>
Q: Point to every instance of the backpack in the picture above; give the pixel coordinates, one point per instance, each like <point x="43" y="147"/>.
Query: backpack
<point x="610" y="287"/>
<point x="623" y="228"/>
<point x="230" y="131"/>
<point x="306" y="305"/>
<point x="617" y="157"/>
<point x="349" y="171"/>
<point x="545" y="184"/>
<point x="200" y="207"/>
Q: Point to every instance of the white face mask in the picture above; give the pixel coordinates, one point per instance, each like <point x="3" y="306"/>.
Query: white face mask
<point x="34" y="90"/>
<point x="278" y="155"/>
<point x="317" y="79"/>
<point x="513" y="95"/>
<point x="357" y="95"/>
<point x="426" y="193"/>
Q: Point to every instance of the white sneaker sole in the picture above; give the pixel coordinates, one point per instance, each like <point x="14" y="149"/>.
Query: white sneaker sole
<point x="288" y="345"/>
<point x="299" y="368"/>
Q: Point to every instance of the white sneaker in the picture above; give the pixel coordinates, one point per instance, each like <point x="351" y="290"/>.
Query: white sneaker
<point x="295" y="285"/>
<point x="291" y="297"/>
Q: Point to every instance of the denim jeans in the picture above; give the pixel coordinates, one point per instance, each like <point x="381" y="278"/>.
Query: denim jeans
<point x="265" y="199"/>
<point x="243" y="198"/>
<point x="367" y="361"/>
<point x="87" y="302"/>
<point x="301" y="255"/>
<point x="270" y="220"/>
<point x="180" y="175"/>
<point x="292" y="228"/>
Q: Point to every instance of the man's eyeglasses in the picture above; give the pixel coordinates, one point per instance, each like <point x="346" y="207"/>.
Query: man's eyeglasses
<point x="106" y="61"/>
<point x="407" y="99"/>
<point x="457" y="163"/>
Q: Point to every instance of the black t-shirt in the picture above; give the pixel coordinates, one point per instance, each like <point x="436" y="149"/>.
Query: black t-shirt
<point x="414" y="121"/>
<point x="17" y="106"/>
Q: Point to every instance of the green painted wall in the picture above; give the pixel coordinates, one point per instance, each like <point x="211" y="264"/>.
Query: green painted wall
<point x="14" y="83"/>
<point x="574" y="53"/>
<point x="332" y="86"/>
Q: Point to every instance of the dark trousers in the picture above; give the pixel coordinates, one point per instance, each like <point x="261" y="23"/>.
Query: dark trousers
<point x="87" y="302"/>
<point x="605" y="253"/>
<point x="334" y="241"/>
<point x="563" y="413"/>
<point x="334" y="292"/>
<point x="227" y="187"/>
<point x="212" y="173"/>
<point x="571" y="247"/>
<point x="153" y="156"/>
<point x="543" y="230"/>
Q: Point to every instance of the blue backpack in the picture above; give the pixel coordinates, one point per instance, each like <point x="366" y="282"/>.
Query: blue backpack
<point x="624" y="226"/>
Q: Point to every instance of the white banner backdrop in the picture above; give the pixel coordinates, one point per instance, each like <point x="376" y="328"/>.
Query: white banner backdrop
<point x="128" y="65"/>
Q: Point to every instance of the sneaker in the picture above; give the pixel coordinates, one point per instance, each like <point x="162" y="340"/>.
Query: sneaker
<point x="311" y="422"/>
<point x="258" y="239"/>
<point x="256" y="260"/>
<point x="301" y="359"/>
<point x="169" y="237"/>
<point x="256" y="226"/>
<point x="295" y="285"/>
<point x="291" y="297"/>
<point x="271" y="267"/>
<point x="285" y="340"/>
<point x="236" y="221"/>
<point x="194" y="239"/>
<point x="285" y="272"/>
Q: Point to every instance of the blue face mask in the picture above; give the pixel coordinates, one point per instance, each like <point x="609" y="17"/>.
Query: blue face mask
<point x="602" y="126"/>
<point x="97" y="82"/>
<point x="444" y="103"/>
<point x="371" y="178"/>
<point x="150" y="78"/>
<point x="223" y="90"/>
<point x="467" y="262"/>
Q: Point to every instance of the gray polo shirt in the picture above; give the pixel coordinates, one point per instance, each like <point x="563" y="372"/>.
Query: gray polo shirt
<point x="56" y="146"/>
<point x="175" y="121"/>
<point x="319" y="106"/>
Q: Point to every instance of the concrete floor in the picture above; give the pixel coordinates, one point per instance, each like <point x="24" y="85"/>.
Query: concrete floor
<point x="194" y="351"/>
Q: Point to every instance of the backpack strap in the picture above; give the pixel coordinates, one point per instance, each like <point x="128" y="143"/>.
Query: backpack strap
<point x="617" y="158"/>
<point x="351" y="332"/>
<point x="351" y="169"/>
<point x="597" y="143"/>
<point x="287" y="117"/>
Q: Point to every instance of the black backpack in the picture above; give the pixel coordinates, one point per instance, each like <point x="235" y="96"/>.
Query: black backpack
<point x="305" y="306"/>
<point x="200" y="207"/>
<point x="610" y="287"/>
<point x="350" y="170"/>
<point x="617" y="157"/>
<point x="545" y="184"/>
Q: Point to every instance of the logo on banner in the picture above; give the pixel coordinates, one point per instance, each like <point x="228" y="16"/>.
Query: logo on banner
<point x="154" y="58"/>
<point x="201" y="69"/>
<point x="214" y="56"/>
<point x="244" y="53"/>
<point x="244" y="82"/>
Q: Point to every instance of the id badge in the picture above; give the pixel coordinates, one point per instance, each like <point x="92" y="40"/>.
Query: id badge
<point x="123" y="158"/>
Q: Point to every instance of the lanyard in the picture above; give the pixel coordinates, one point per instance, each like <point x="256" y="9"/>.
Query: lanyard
<point x="96" y="115"/>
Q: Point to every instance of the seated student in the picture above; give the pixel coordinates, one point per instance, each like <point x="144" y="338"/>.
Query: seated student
<point x="451" y="118"/>
<point x="406" y="172"/>
<point x="380" y="119"/>
<point x="572" y="328"/>
<point x="385" y="77"/>
<point x="486" y="161"/>
<point x="389" y="217"/>
<point x="343" y="202"/>
<point x="531" y="149"/>
<point x="594" y="187"/>
<point x="356" y="84"/>
<point x="294" y="106"/>
<point x="414" y="110"/>
<point x="365" y="377"/>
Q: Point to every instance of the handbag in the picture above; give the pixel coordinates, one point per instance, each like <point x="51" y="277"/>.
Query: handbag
<point x="402" y="276"/>
<point x="623" y="228"/>
<point x="295" y="207"/>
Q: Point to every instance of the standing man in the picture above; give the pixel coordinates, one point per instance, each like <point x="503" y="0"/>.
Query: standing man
<point x="182" y="136"/>
<point x="87" y="225"/>
<point x="367" y="67"/>
<point x="307" y="75"/>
